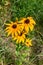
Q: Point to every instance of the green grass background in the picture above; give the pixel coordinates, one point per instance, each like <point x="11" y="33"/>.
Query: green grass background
<point x="19" y="9"/>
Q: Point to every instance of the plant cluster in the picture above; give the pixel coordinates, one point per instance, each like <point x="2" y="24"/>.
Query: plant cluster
<point x="19" y="29"/>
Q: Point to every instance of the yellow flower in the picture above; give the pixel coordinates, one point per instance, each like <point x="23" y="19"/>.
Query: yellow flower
<point x="28" y="42"/>
<point x="20" y="38"/>
<point x="28" y="23"/>
<point x="13" y="29"/>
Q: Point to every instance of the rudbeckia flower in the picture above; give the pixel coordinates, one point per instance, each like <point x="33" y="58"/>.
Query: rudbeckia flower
<point x="28" y="23"/>
<point x="13" y="29"/>
<point x="20" y="38"/>
<point x="28" y="42"/>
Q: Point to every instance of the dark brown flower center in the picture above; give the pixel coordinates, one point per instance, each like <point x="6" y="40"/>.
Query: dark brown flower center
<point x="27" y="43"/>
<point x="14" y="26"/>
<point x="27" y="21"/>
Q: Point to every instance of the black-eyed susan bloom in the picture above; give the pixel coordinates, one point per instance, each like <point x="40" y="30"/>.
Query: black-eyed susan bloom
<point x="13" y="29"/>
<point x="28" y="23"/>
<point x="20" y="38"/>
<point x="28" y="42"/>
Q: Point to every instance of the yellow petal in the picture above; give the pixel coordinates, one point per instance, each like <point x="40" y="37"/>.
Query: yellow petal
<point x="30" y="44"/>
<point x="23" y="40"/>
<point x="17" y="41"/>
<point x="9" y="33"/>
<point x="27" y="29"/>
<point x="7" y="28"/>
<point x="31" y="27"/>
<point x="7" y="24"/>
